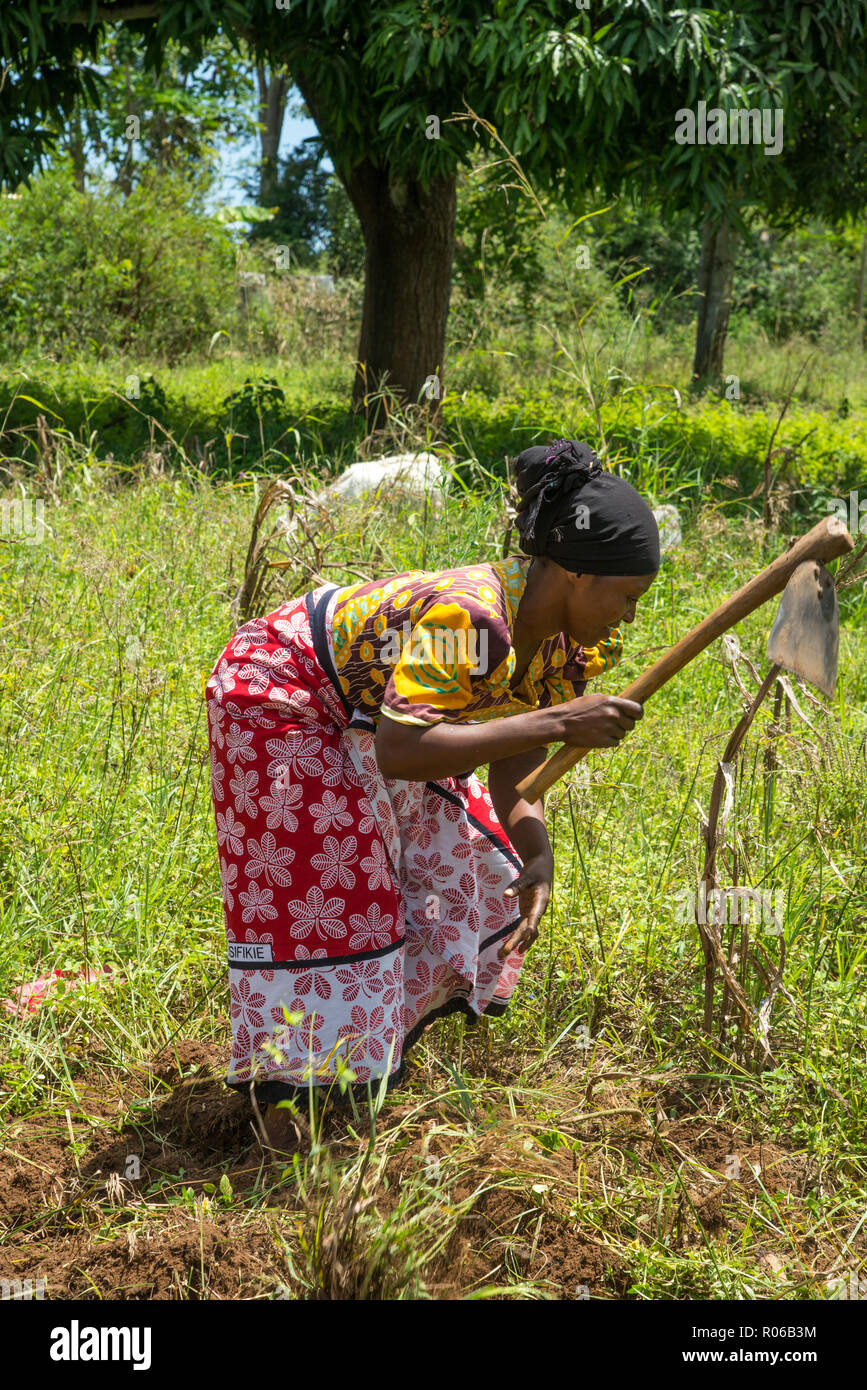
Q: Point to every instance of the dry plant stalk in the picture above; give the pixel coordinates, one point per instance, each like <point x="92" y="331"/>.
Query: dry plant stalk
<point x="750" y="953"/>
<point x="848" y="574"/>
<point x="715" y="957"/>
<point x="307" y="542"/>
<point x="252" y="588"/>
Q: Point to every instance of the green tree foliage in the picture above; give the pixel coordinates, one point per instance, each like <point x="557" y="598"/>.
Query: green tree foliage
<point x="800" y="284"/>
<point x="165" y="120"/>
<point x="300" y="196"/>
<point x="344" y="254"/>
<point x="497" y="237"/>
<point x="564" y="86"/>
<point x="586" y="100"/>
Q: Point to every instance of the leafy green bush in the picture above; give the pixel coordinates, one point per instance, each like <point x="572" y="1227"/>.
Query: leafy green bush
<point x="255" y="400"/>
<point x="345" y="252"/>
<point x="797" y="283"/>
<point x="801" y="283"/>
<point x="268" y="421"/>
<point x="100" y="274"/>
<point x="662" y="449"/>
<point x="627" y="239"/>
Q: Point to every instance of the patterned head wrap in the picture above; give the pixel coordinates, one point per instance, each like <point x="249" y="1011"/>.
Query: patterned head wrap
<point x="586" y="519"/>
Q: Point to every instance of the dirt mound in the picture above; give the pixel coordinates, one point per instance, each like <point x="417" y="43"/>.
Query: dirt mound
<point x="88" y="1198"/>
<point x="736" y="1157"/>
<point x="515" y="1229"/>
<point x="506" y="1236"/>
<point x="157" y="1186"/>
<point x="206" y="1116"/>
<point x="199" y="1261"/>
<point x="177" y="1058"/>
<point x="32" y="1160"/>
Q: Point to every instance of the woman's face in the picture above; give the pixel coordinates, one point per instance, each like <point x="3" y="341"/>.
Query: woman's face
<point x="597" y="603"/>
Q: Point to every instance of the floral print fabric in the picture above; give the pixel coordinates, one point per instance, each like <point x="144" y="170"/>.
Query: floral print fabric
<point x="429" y="646"/>
<point x="358" y="906"/>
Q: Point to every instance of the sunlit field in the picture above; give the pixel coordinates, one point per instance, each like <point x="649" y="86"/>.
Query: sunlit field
<point x="598" y="1141"/>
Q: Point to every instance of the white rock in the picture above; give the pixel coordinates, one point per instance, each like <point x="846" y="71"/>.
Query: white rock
<point x="417" y="474"/>
<point x="404" y="476"/>
<point x="668" y="521"/>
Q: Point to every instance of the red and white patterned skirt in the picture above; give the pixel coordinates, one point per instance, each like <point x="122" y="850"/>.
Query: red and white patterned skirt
<point x="360" y="906"/>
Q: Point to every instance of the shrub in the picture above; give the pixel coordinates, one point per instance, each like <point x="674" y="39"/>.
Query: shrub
<point x="100" y="274"/>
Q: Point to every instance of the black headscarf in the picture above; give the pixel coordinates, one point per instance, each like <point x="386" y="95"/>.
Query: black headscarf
<point x="585" y="518"/>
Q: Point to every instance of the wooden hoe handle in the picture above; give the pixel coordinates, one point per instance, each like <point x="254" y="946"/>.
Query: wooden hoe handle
<point x="826" y="541"/>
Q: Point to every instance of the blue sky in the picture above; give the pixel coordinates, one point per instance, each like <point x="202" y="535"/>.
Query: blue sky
<point x="239" y="159"/>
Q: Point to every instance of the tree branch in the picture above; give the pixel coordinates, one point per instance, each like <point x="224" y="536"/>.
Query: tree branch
<point x="115" y="14"/>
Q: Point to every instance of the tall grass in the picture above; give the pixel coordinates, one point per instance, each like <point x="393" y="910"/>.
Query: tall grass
<point x="601" y="1068"/>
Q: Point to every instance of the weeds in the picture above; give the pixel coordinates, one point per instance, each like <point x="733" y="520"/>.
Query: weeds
<point x="596" y="1141"/>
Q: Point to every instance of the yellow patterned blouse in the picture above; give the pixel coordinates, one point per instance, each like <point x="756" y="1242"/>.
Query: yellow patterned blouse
<point x="430" y="646"/>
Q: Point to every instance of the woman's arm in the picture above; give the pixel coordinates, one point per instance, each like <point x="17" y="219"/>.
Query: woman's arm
<point x="425" y="753"/>
<point x="524" y="823"/>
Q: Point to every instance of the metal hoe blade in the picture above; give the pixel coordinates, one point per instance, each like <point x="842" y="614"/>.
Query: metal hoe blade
<point x="805" y="637"/>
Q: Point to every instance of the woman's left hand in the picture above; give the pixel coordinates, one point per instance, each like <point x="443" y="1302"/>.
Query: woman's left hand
<point x="532" y="888"/>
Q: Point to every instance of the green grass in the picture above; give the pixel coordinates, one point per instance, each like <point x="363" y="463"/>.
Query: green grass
<point x="505" y="391"/>
<point x="584" y="1139"/>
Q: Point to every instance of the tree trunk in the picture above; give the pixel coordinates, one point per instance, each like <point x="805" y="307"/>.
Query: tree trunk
<point x="76" y="150"/>
<point x="859" y="300"/>
<point x="409" y="239"/>
<point x="272" y="108"/>
<point x="715" y="277"/>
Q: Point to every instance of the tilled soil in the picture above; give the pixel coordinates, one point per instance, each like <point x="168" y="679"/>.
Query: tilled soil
<point x="164" y="1191"/>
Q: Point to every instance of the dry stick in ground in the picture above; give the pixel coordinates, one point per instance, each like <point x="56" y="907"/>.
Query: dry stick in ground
<point x="709" y="932"/>
<point x="732" y="958"/>
<point x="773" y="985"/>
<point x="766" y="487"/>
<point x="244" y="603"/>
<point x="603" y="1114"/>
<point x="772" y="979"/>
<point x="733" y="655"/>
<point x="49" y="457"/>
<point x="792" y="703"/>
<point x="770" y="761"/>
<point x="623" y="1076"/>
<point x="772" y="976"/>
<point x="251" y="595"/>
<point x="714" y="838"/>
<point x="843" y="580"/>
<point x="260" y="1123"/>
